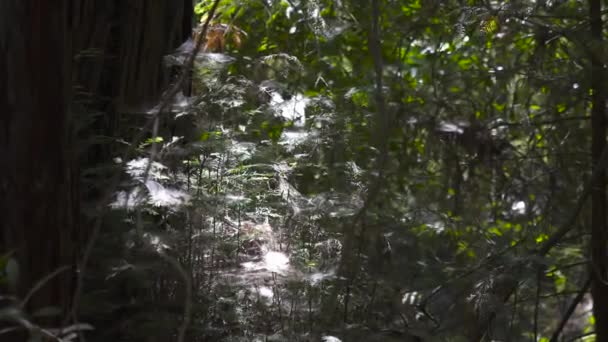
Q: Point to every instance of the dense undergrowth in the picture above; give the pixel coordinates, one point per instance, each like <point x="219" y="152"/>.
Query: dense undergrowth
<point x="316" y="186"/>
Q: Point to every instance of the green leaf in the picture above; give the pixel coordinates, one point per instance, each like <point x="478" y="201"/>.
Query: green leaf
<point x="153" y="140"/>
<point x="496" y="231"/>
<point x="275" y="133"/>
<point x="263" y="47"/>
<point x="559" y="281"/>
<point x="465" y="63"/>
<point x="541" y="237"/>
<point x="360" y="98"/>
<point x="499" y="106"/>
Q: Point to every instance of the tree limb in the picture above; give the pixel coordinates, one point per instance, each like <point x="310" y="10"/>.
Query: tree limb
<point x="570" y="310"/>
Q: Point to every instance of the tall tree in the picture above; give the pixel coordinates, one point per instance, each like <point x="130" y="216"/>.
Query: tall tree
<point x="599" y="262"/>
<point x="108" y="57"/>
<point x="39" y="179"/>
<point x="118" y="74"/>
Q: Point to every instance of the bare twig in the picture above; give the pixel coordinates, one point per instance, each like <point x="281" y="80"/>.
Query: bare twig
<point x="566" y="227"/>
<point x="41" y="283"/>
<point x="581" y="336"/>
<point x="569" y="223"/>
<point x="539" y="278"/>
<point x="188" y="297"/>
<point x="570" y="311"/>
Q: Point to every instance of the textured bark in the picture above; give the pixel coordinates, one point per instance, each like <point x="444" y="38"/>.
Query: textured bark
<point x="118" y="63"/>
<point x="38" y="177"/>
<point x="107" y="52"/>
<point x="119" y="48"/>
<point x="599" y="262"/>
<point x="120" y="45"/>
<point x="148" y="31"/>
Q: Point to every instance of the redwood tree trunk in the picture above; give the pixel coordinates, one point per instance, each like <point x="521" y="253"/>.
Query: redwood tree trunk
<point x="599" y="269"/>
<point x="118" y="66"/>
<point x="118" y="73"/>
<point x="120" y="45"/>
<point x="38" y="177"/>
<point x="110" y="50"/>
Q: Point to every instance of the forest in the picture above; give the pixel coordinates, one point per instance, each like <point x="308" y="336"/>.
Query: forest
<point x="303" y="170"/>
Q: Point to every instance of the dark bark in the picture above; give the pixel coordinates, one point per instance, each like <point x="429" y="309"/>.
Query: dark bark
<point x="575" y="302"/>
<point x="118" y="66"/>
<point x="148" y="31"/>
<point x="38" y="175"/>
<point x="119" y="73"/>
<point x="109" y="54"/>
<point x="120" y="47"/>
<point x="599" y="263"/>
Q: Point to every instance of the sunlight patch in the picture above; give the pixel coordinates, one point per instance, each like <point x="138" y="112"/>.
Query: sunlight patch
<point x="293" y="109"/>
<point x="266" y="292"/>
<point x="292" y="139"/>
<point x="127" y="199"/>
<point x="276" y="262"/>
<point x="161" y="196"/>
<point x="519" y="207"/>
<point x="317" y="277"/>
<point x="242" y="150"/>
<point x="136" y="168"/>
<point x="330" y="339"/>
<point x="438" y="226"/>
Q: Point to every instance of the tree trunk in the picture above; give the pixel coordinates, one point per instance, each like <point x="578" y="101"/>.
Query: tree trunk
<point x="38" y="176"/>
<point x="118" y="66"/>
<point x="120" y="45"/>
<point x="599" y="264"/>
<point x="111" y="52"/>
<point x="118" y="74"/>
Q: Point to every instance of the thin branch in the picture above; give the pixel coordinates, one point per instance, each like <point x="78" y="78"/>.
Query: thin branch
<point x="570" y="222"/>
<point x="188" y="297"/>
<point x="537" y="302"/>
<point x="540" y="123"/>
<point x="570" y="311"/>
<point x="41" y="283"/>
<point x="581" y="336"/>
<point x="566" y="227"/>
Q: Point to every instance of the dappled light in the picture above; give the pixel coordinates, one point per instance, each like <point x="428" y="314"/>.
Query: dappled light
<point x="275" y="262"/>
